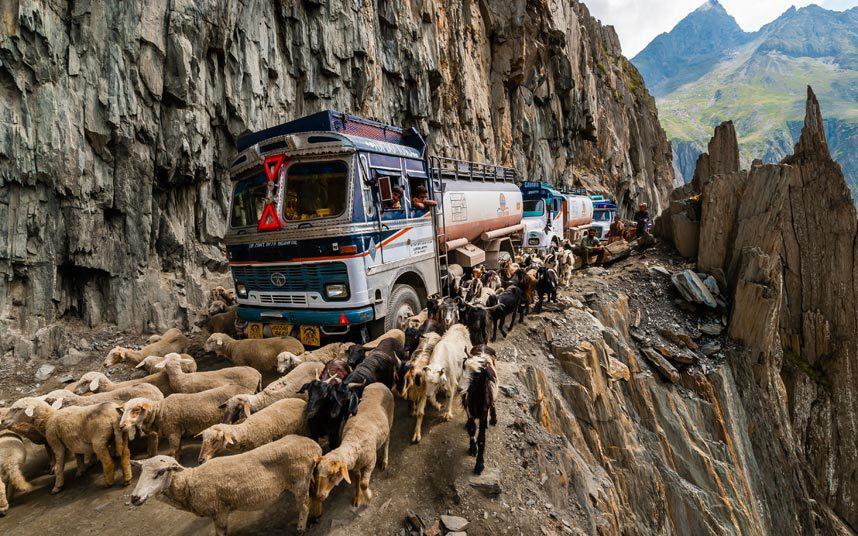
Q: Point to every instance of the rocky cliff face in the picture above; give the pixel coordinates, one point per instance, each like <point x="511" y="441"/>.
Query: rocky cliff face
<point x="782" y="239"/>
<point x="119" y="122"/>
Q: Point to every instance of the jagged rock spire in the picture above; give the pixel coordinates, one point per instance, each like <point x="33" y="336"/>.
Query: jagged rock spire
<point x="722" y="158"/>
<point x="812" y="142"/>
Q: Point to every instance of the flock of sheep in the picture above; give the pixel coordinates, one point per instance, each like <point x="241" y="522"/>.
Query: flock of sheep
<point x="341" y="395"/>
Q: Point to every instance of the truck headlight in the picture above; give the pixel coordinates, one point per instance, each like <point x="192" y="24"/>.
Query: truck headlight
<point x="241" y="290"/>
<point x="337" y="291"/>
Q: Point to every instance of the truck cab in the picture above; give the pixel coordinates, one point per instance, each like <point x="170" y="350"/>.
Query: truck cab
<point x="604" y="212"/>
<point x="543" y="216"/>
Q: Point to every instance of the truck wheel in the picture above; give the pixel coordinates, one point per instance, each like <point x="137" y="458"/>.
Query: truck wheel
<point x="404" y="303"/>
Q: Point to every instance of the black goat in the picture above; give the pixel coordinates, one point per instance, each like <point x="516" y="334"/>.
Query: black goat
<point x="509" y="302"/>
<point x="357" y="353"/>
<point x="546" y="285"/>
<point x="322" y="419"/>
<point x="478" y="388"/>
<point x="476" y="318"/>
<point x="412" y="335"/>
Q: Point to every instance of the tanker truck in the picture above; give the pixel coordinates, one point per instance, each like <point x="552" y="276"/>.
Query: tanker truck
<point x="343" y="227"/>
<point x="550" y="216"/>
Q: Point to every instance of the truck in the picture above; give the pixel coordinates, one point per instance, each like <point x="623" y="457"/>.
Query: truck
<point x="329" y="235"/>
<point x="550" y="216"/>
<point x="604" y="212"/>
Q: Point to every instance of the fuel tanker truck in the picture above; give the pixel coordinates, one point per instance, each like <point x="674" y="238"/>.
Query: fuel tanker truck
<point x="550" y="216"/>
<point x="342" y="227"/>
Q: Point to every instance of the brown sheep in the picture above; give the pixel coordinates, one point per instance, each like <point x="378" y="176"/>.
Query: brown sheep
<point x="173" y="340"/>
<point x="242" y="406"/>
<point x="97" y="382"/>
<point x="260" y="354"/>
<point x="195" y="382"/>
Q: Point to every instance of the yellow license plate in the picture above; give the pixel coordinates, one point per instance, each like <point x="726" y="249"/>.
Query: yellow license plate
<point x="311" y="335"/>
<point x="255" y="330"/>
<point x="281" y="330"/>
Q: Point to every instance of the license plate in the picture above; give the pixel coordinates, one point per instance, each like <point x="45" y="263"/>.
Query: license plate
<point x="311" y="335"/>
<point x="281" y="330"/>
<point x="255" y="330"/>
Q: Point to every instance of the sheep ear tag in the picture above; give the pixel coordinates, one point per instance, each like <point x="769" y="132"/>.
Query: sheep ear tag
<point x="28" y="411"/>
<point x="269" y="221"/>
<point x="93" y="385"/>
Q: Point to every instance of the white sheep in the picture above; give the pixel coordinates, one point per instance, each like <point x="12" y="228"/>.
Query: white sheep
<point x="195" y="382"/>
<point x="13" y="457"/>
<point x="286" y="361"/>
<point x="260" y="354"/>
<point x="363" y="435"/>
<point x="150" y="363"/>
<point x="248" y="481"/>
<point x="414" y="383"/>
<point x="80" y="430"/>
<point x="178" y="415"/>
<point x="243" y="405"/>
<point x="445" y="366"/>
<point x="97" y="382"/>
<point x="173" y="340"/>
<point x="63" y="397"/>
<point x="282" y="418"/>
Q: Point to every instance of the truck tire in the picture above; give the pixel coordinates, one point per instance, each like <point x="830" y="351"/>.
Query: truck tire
<point x="403" y="304"/>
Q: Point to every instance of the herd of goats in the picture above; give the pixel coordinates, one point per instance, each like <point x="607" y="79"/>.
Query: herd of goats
<point x="341" y="395"/>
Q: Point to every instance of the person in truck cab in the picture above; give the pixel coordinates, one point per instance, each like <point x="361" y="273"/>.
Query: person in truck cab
<point x="421" y="200"/>
<point x="395" y="202"/>
<point x="642" y="220"/>
<point x="590" y="245"/>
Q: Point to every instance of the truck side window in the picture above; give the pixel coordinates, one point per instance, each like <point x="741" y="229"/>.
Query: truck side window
<point x="392" y="197"/>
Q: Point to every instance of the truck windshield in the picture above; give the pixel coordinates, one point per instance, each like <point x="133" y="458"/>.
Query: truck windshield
<point x="533" y="207"/>
<point x="248" y="199"/>
<point x="316" y="190"/>
<point x="603" y="215"/>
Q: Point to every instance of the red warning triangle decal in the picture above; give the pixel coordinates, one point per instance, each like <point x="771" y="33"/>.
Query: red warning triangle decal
<point x="269" y="220"/>
<point x="272" y="166"/>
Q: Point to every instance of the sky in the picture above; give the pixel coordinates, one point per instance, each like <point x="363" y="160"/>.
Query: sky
<point x="639" y="21"/>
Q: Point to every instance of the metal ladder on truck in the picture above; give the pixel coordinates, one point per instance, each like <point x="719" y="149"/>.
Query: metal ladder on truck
<point x="457" y="170"/>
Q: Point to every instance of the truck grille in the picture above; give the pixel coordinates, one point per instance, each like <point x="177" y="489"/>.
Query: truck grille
<point x="299" y="277"/>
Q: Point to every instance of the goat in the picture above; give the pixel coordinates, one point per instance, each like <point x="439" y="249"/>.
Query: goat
<point x="478" y="389"/>
<point x="412" y="381"/>
<point x="445" y="368"/>
<point x="509" y="303"/>
<point x="477" y="319"/>
<point x="450" y="312"/>
<point x="546" y="286"/>
<point x="324" y="416"/>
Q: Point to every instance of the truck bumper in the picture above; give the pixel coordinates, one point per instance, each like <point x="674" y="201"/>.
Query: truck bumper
<point x="306" y="317"/>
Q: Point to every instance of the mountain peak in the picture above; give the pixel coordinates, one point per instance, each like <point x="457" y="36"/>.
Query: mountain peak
<point x="710" y="5"/>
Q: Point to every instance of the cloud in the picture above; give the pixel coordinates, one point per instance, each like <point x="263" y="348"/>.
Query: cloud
<point x="639" y="21"/>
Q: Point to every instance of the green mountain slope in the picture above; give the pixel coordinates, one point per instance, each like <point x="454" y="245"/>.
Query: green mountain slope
<point x="759" y="82"/>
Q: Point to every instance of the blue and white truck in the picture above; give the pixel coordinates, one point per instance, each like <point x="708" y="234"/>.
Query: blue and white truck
<point x="604" y="212"/>
<point x="329" y="237"/>
<point x="550" y="216"/>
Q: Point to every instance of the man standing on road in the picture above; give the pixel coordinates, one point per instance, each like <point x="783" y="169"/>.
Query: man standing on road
<point x="590" y="245"/>
<point x="642" y="220"/>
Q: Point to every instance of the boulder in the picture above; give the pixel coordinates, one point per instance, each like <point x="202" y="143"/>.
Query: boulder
<point x="685" y="235"/>
<point x="661" y="364"/>
<point x="692" y="288"/>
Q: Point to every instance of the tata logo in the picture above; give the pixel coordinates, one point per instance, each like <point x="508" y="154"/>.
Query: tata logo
<point x="278" y="279"/>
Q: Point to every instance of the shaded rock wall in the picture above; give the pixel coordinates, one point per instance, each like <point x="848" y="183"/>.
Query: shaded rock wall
<point x="119" y="120"/>
<point x="782" y="238"/>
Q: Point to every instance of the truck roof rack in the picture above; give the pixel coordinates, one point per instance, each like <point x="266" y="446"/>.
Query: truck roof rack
<point x="463" y="170"/>
<point x="333" y="121"/>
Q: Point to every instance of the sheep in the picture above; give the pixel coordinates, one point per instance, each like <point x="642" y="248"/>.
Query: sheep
<point x="150" y="364"/>
<point x="247" y="481"/>
<point x="479" y="390"/>
<point x="260" y="354"/>
<point x="445" y="366"/>
<point x="80" y="430"/>
<point x="63" y="397"/>
<point x="220" y="321"/>
<point x="285" y="387"/>
<point x="221" y="294"/>
<point x="413" y="381"/>
<point x="13" y="457"/>
<point x="172" y="340"/>
<point x="363" y="435"/>
<point x="195" y="382"/>
<point x="97" y="382"/>
<point x="177" y="415"/>
<point x="286" y="361"/>
<point x="282" y="418"/>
